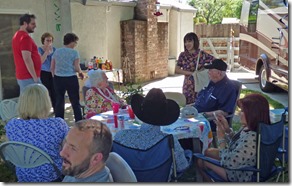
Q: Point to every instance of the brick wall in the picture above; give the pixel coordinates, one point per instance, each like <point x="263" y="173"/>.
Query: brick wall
<point x="144" y="45"/>
<point x="162" y="50"/>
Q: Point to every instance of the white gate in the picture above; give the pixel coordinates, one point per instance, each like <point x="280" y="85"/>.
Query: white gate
<point x="226" y="48"/>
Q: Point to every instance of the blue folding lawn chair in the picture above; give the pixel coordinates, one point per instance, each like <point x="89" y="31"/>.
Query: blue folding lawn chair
<point x="269" y="138"/>
<point x="153" y="164"/>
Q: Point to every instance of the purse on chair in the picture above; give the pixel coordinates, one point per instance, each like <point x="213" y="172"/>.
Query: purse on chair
<point x="201" y="77"/>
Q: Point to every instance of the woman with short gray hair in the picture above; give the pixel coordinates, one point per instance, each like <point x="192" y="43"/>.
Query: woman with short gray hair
<point x="100" y="96"/>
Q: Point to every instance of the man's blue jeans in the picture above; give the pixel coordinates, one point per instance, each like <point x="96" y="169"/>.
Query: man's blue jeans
<point x="24" y="82"/>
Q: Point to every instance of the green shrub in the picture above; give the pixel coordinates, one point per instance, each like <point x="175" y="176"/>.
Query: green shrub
<point x="130" y="90"/>
<point x="2" y="130"/>
<point x="6" y="174"/>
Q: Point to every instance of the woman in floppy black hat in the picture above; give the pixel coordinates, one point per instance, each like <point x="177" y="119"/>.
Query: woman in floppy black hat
<point x="154" y="110"/>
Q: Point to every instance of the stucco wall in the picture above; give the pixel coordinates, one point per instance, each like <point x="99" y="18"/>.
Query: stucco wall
<point x="180" y="23"/>
<point x="115" y="16"/>
<point x="48" y="15"/>
<point x="174" y="29"/>
<point x="28" y="6"/>
<point x="10" y="11"/>
<point x="186" y="25"/>
<point x="98" y="29"/>
<point x="89" y="25"/>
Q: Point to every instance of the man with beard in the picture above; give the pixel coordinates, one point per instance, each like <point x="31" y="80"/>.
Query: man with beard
<point x="85" y="151"/>
<point x="26" y="57"/>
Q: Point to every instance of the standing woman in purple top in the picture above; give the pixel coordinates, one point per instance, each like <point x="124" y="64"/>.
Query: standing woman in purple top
<point x="35" y="128"/>
<point x="186" y="64"/>
<point x="65" y="64"/>
<point x="46" y="51"/>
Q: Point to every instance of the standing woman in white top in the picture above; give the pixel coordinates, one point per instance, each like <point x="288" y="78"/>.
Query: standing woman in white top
<point x="100" y="96"/>
<point x="65" y="64"/>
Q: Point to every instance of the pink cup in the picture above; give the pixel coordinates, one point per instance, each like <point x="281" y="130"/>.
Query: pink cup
<point x="116" y="107"/>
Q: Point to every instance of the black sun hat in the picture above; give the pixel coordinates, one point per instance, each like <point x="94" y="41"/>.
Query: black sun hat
<point x="155" y="109"/>
<point x="218" y="64"/>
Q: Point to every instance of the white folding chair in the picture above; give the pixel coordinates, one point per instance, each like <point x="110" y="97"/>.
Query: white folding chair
<point x="83" y="103"/>
<point x="176" y="96"/>
<point x="120" y="170"/>
<point x="8" y="109"/>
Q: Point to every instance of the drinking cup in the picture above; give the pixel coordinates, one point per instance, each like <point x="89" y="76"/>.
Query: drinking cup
<point x="130" y="112"/>
<point x="116" y="121"/>
<point x="116" y="107"/>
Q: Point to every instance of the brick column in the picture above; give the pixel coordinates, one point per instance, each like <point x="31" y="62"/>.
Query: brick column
<point x="149" y="50"/>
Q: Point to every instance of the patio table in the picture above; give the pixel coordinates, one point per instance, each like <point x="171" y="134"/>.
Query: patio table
<point x="197" y="128"/>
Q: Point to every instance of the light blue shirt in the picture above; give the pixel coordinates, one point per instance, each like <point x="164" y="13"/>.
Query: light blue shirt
<point x="64" y="61"/>
<point x="46" y="66"/>
<point x="100" y="176"/>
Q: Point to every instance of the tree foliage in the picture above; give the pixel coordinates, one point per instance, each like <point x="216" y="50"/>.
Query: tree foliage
<point x="213" y="11"/>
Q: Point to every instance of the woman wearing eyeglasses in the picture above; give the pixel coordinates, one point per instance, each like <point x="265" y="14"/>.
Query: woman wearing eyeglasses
<point x="65" y="64"/>
<point x="46" y="52"/>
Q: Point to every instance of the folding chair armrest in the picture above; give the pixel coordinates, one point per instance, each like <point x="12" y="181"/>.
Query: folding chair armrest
<point x="205" y="158"/>
<point x="253" y="169"/>
<point x="217" y="163"/>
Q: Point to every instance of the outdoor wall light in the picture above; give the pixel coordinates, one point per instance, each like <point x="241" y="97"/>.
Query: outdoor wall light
<point x="158" y="13"/>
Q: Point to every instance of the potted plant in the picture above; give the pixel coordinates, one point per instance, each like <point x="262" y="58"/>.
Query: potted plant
<point x="131" y="89"/>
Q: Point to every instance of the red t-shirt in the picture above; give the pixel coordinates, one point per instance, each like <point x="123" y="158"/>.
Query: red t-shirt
<point x="22" y="41"/>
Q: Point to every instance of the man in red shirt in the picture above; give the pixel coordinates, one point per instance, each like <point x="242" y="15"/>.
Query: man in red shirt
<point x="26" y="57"/>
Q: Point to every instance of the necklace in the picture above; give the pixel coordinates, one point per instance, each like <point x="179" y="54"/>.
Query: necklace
<point x="111" y="97"/>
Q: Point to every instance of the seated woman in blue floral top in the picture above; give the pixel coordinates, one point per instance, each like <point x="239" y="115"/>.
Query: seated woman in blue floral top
<point x="154" y="111"/>
<point x="35" y="128"/>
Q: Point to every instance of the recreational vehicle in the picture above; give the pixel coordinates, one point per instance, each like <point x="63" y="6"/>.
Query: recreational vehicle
<point x="264" y="41"/>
